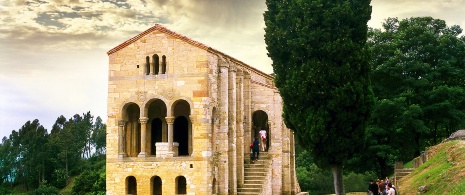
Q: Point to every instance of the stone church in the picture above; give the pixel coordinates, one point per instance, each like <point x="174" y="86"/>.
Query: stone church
<point x="182" y="116"/>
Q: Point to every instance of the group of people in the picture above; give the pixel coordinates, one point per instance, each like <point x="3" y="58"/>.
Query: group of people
<point x="257" y="145"/>
<point x="381" y="187"/>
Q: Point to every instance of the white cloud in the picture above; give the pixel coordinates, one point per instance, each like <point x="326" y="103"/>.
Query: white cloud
<point x="53" y="52"/>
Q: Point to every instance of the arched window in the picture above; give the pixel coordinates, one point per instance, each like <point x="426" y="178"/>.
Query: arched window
<point x="131" y="185"/>
<point x="156" y="62"/>
<point x="158" y="129"/>
<point x="156" y="185"/>
<point x="182" y="127"/>
<point x="163" y="64"/>
<point x="181" y="185"/>
<point x="132" y="130"/>
<point x="147" y="65"/>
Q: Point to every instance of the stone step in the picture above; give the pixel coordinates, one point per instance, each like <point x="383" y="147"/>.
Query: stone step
<point x="247" y="174"/>
<point x="255" y="175"/>
<point x="253" y="189"/>
<point x="247" y="193"/>
<point x="403" y="174"/>
<point x="255" y="168"/>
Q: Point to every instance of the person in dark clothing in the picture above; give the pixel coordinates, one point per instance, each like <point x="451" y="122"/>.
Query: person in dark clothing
<point x="255" y="150"/>
<point x="382" y="187"/>
<point x="373" y="188"/>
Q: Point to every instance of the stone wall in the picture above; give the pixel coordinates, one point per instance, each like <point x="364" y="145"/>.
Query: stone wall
<point x="216" y="95"/>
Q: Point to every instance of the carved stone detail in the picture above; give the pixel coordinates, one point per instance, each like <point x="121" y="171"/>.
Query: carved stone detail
<point x="143" y="120"/>
<point x="141" y="96"/>
<point x="169" y="119"/>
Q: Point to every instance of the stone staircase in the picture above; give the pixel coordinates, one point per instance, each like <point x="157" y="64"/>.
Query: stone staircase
<point x="399" y="173"/>
<point x="255" y="175"/>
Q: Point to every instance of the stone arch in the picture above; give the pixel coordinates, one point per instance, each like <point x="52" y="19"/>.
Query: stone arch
<point x="157" y="128"/>
<point x="181" y="185"/>
<point x="156" y="185"/>
<point x="260" y="121"/>
<point x="132" y="129"/>
<point x="182" y="127"/>
<point x="131" y="185"/>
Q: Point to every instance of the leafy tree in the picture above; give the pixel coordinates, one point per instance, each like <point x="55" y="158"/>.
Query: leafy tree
<point x="322" y="70"/>
<point x="98" y="138"/>
<point x="417" y="72"/>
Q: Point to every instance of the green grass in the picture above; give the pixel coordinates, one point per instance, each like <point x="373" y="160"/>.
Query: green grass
<point x="444" y="172"/>
<point x="408" y="164"/>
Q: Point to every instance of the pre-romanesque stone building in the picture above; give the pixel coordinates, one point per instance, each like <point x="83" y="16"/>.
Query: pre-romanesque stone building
<point x="181" y="117"/>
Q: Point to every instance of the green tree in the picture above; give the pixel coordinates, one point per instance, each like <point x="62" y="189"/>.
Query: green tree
<point x="417" y="73"/>
<point x="98" y="137"/>
<point x="322" y="70"/>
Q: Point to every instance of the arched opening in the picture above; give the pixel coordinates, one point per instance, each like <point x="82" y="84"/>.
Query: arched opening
<point x="181" y="135"/>
<point x="158" y="129"/>
<point x="131" y="185"/>
<point x="147" y="65"/>
<point x="156" y="62"/>
<point x="214" y="186"/>
<point x="260" y="122"/>
<point x="132" y="130"/>
<point x="156" y="136"/>
<point x="181" y="185"/>
<point x="182" y="127"/>
<point x="163" y="64"/>
<point x="156" y="185"/>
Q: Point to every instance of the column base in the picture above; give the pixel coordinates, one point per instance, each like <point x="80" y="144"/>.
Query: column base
<point x="122" y="155"/>
<point x="142" y="155"/>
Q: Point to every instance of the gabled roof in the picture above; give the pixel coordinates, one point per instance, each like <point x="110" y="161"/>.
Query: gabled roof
<point x="162" y="29"/>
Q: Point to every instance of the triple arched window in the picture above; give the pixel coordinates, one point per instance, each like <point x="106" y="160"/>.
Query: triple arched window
<point x="153" y="67"/>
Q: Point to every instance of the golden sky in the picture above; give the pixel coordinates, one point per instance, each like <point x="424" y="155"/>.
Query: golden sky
<point x="53" y="52"/>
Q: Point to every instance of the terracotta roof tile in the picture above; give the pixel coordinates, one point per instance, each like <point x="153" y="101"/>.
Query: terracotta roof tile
<point x="186" y="39"/>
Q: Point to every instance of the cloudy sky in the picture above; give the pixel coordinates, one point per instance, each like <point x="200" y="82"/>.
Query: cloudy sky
<point x="53" y="57"/>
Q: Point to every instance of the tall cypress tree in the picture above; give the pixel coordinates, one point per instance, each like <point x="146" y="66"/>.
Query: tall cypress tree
<point x="319" y="54"/>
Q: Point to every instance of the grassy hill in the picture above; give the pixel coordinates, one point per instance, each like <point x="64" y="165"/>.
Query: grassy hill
<point x="443" y="173"/>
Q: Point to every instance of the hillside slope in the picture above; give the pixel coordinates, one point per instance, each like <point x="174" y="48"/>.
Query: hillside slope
<point x="443" y="173"/>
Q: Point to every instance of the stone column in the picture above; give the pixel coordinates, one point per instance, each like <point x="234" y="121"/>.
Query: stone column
<point x="294" y="189"/>
<point x="247" y="115"/>
<point x="278" y="145"/>
<point x="170" y="121"/>
<point x="232" y="130"/>
<point x="240" y="128"/>
<point x="152" y="66"/>
<point x="143" y="137"/>
<point x="223" y="173"/>
<point x="190" y="135"/>
<point x="121" y="150"/>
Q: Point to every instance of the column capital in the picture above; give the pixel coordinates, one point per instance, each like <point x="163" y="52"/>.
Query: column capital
<point x="169" y="119"/>
<point x="232" y="68"/>
<point x="143" y="120"/>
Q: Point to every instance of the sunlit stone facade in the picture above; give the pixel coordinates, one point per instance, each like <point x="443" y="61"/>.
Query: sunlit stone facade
<point x="181" y="117"/>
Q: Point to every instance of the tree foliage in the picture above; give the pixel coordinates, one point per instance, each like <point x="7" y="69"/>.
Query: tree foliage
<point x="417" y="73"/>
<point x="322" y="70"/>
<point x="35" y="159"/>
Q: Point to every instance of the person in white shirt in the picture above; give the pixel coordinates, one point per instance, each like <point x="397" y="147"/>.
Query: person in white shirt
<point x="263" y="139"/>
<point x="391" y="190"/>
